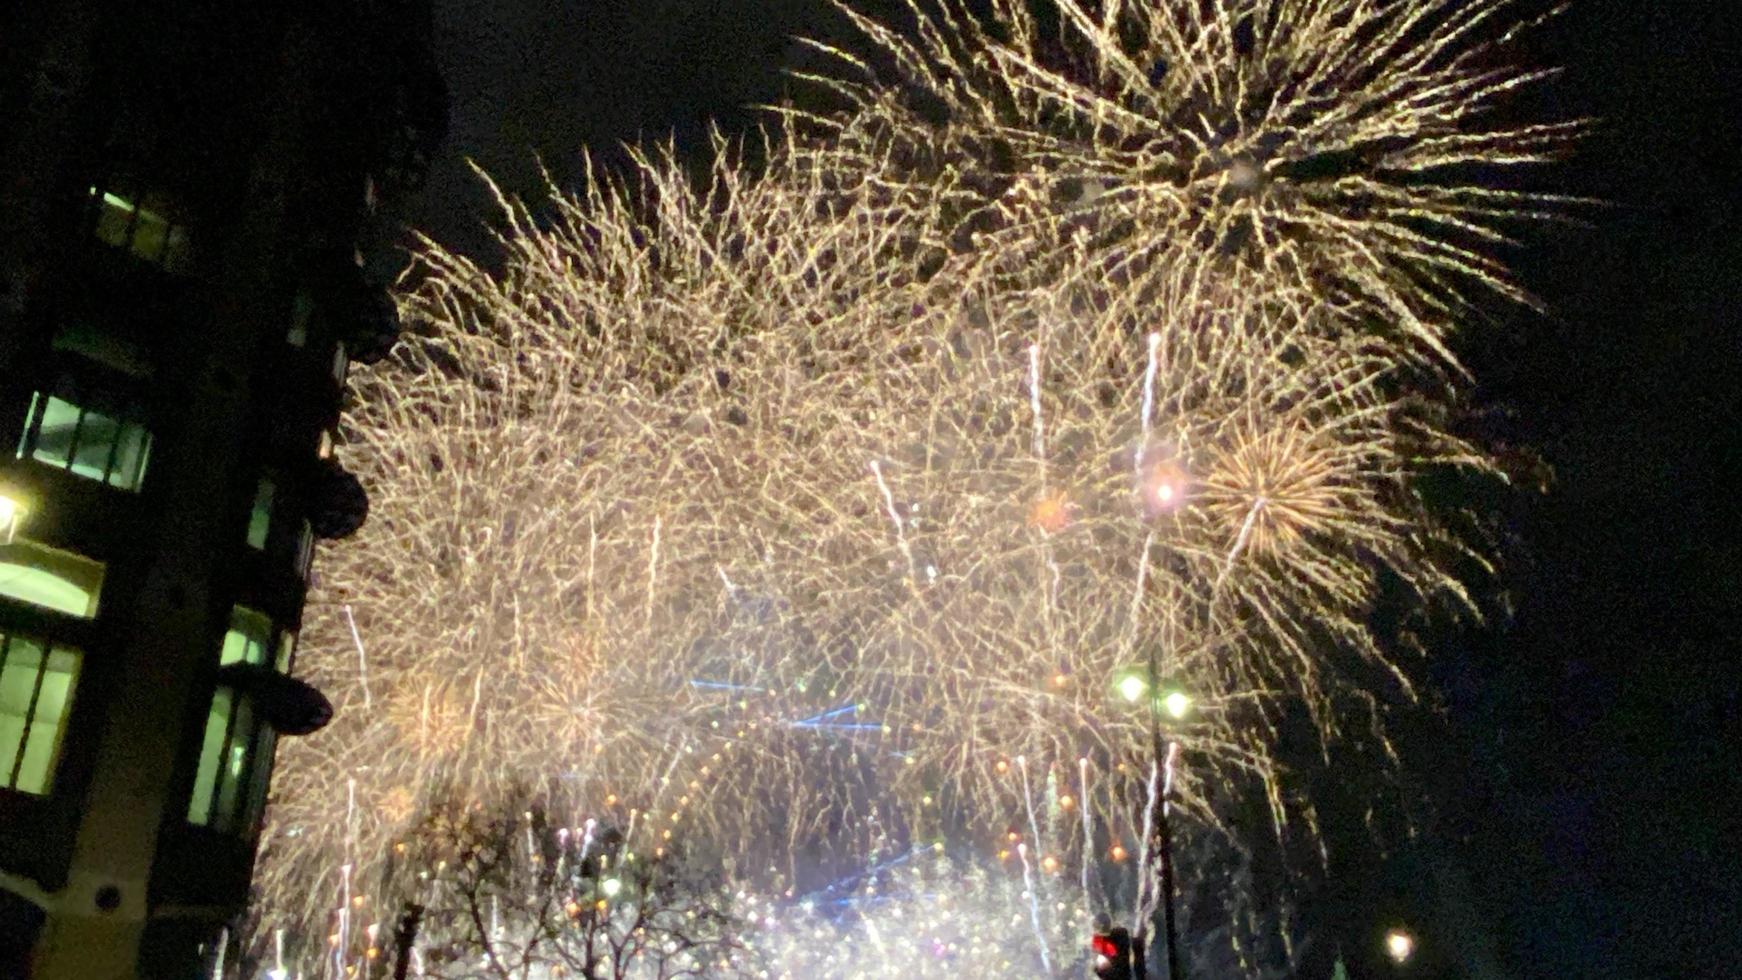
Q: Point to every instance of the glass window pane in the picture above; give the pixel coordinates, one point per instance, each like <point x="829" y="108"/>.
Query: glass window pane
<point x="130" y="458"/>
<point x="22" y="662"/>
<point x="52" y="579"/>
<point x="56" y="430"/>
<point x="98" y="435"/>
<point x="42" y="745"/>
<point x="114" y="216"/>
<point x="235" y="770"/>
<point x="286" y="652"/>
<point x="260" y="519"/>
<point x="249" y="638"/>
<point x="30" y="735"/>
<point x="90" y="444"/>
<point x="211" y="750"/>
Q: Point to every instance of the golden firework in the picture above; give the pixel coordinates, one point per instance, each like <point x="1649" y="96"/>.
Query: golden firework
<point x="717" y="501"/>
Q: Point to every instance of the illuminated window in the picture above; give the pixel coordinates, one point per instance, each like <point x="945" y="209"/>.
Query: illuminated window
<point x="286" y="652"/>
<point x="260" y="518"/>
<point x="84" y="442"/>
<point x="249" y="639"/>
<point x="36" y="693"/>
<point x="235" y="762"/>
<point x="236" y="748"/>
<point x="52" y="579"/>
<point x="222" y="756"/>
<point x="142" y="226"/>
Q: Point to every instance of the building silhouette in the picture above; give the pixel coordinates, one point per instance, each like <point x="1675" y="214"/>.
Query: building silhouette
<point x="185" y="188"/>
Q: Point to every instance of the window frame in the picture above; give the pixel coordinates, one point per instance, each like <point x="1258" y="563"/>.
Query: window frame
<point x="228" y="797"/>
<point x="12" y="770"/>
<point x="131" y="442"/>
<point x="92" y="569"/>
<point x="147" y="211"/>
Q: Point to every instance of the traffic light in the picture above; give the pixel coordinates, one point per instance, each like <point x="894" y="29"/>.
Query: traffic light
<point x="1112" y="949"/>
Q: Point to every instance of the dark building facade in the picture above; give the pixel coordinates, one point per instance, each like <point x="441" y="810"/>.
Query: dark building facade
<point x="186" y="188"/>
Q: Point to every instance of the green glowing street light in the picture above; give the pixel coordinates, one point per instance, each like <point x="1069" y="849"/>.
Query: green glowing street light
<point x="1173" y="702"/>
<point x="1132" y="687"/>
<point x="1177" y="704"/>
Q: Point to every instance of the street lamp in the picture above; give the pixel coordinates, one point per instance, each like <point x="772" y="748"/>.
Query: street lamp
<point x="1132" y="686"/>
<point x="1174" y="704"/>
<point x="1166" y="705"/>
<point x="1399" y="946"/>
<point x="1177" y="704"/>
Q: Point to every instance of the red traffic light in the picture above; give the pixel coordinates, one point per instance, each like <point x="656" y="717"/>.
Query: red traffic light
<point x="1112" y="954"/>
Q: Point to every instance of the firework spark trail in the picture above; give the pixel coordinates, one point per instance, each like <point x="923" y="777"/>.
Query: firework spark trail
<point x="1028" y="886"/>
<point x="1239" y="543"/>
<point x="1028" y="803"/>
<point x="895" y="519"/>
<point x="1144" y="905"/>
<point x="1087" y="810"/>
<point x="1152" y="344"/>
<point x="362" y="661"/>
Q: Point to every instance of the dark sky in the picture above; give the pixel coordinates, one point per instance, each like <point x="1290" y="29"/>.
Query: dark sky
<point x="1584" y="766"/>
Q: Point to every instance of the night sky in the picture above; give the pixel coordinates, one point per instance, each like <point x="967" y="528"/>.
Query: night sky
<point x="1580" y="764"/>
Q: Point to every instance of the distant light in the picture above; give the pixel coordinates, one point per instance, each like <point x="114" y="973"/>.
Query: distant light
<point x="611" y="886"/>
<point x="1164" y="487"/>
<point x="1399" y="945"/>
<point x="1176" y="704"/>
<point x="1131" y="687"/>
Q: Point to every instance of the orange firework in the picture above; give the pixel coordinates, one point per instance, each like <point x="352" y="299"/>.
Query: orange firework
<point x="1053" y="512"/>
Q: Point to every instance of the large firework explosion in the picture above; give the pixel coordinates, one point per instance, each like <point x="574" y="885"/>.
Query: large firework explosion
<point x="1351" y="148"/>
<point x="746" y="506"/>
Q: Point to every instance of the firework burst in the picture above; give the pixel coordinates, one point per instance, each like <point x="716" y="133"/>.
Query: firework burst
<point x="1355" y="150"/>
<point x="757" y="505"/>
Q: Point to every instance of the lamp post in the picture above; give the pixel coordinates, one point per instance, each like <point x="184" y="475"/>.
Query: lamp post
<point x="1163" y="486"/>
<point x="1176" y="703"/>
<point x="1133" y="686"/>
